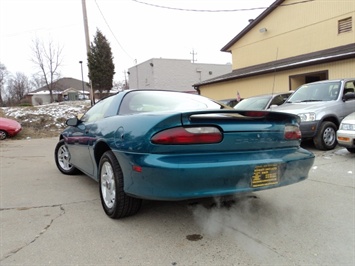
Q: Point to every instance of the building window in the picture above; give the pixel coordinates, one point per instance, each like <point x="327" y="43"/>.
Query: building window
<point x="297" y="80"/>
<point x="345" y="25"/>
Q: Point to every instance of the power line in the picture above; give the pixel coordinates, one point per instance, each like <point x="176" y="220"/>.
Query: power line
<point x="188" y="10"/>
<point x="198" y="10"/>
<point x="112" y="31"/>
<point x="216" y="10"/>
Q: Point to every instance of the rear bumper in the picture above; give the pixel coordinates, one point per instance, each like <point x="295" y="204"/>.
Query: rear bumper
<point x="179" y="177"/>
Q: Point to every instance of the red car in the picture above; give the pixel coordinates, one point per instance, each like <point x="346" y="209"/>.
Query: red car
<point x="9" y="128"/>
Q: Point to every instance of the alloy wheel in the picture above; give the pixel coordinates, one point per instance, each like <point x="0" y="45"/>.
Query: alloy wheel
<point x="108" y="186"/>
<point x="64" y="158"/>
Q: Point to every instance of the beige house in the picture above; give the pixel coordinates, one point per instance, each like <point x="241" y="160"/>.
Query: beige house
<point x="66" y="89"/>
<point x="291" y="43"/>
<point x="63" y="89"/>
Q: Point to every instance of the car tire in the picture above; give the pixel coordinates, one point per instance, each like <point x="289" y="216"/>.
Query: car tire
<point x="352" y="150"/>
<point x="326" y="136"/>
<point x="115" y="202"/>
<point x="62" y="159"/>
<point x="3" y="135"/>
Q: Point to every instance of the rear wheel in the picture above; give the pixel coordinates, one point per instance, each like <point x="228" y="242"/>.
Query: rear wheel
<point x="352" y="150"/>
<point x="326" y="136"/>
<point x="3" y="135"/>
<point x="62" y="159"/>
<point x="116" y="203"/>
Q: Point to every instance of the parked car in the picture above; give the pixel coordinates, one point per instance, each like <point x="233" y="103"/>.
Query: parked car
<point x="263" y="102"/>
<point x="9" y="128"/>
<point x="346" y="133"/>
<point x="321" y="106"/>
<point x="165" y="145"/>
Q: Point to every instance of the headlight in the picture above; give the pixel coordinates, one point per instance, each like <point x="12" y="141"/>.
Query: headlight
<point x="347" y="126"/>
<point x="307" y="117"/>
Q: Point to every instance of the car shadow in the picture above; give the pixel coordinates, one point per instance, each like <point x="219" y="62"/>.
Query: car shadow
<point x="308" y="145"/>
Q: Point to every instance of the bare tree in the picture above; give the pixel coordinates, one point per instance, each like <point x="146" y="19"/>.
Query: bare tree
<point x="3" y="75"/>
<point x="119" y="85"/>
<point x="18" y="87"/>
<point x="36" y="82"/>
<point x="48" y="59"/>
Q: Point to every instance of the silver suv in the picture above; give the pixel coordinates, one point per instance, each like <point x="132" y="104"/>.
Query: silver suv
<point x="321" y="106"/>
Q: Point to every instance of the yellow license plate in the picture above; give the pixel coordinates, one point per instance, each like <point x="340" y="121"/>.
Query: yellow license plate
<point x="265" y="175"/>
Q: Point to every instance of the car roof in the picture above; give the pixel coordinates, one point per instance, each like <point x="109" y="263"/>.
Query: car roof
<point x="270" y="94"/>
<point x="329" y="80"/>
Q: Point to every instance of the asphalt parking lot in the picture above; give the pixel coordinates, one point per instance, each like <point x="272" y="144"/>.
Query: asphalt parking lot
<point x="51" y="219"/>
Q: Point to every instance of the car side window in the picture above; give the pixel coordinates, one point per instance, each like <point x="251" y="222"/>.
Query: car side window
<point x="278" y="100"/>
<point x="349" y="87"/>
<point x="97" y="111"/>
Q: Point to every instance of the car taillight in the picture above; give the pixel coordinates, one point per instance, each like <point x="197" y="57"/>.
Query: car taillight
<point x="188" y="135"/>
<point x="292" y="132"/>
<point x="255" y="113"/>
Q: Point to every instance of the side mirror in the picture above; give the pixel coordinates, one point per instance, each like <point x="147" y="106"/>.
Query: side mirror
<point x="73" y="122"/>
<point x="348" y="96"/>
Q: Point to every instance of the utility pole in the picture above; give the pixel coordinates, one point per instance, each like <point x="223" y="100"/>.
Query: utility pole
<point x="87" y="41"/>
<point x="82" y="78"/>
<point x="86" y="27"/>
<point x="125" y="81"/>
<point x="135" y="60"/>
<point x="193" y="56"/>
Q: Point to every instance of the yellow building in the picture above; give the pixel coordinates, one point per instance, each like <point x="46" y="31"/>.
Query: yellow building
<point x="291" y="43"/>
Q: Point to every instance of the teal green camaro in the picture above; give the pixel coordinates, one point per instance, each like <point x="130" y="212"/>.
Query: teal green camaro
<point x="165" y="145"/>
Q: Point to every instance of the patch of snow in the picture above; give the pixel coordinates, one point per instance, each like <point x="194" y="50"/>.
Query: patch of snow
<point x="54" y="114"/>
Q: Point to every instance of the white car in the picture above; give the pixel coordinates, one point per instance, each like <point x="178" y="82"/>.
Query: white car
<point x="346" y="133"/>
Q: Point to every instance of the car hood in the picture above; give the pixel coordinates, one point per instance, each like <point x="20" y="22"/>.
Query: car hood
<point x="5" y="122"/>
<point x="297" y="108"/>
<point x="349" y="119"/>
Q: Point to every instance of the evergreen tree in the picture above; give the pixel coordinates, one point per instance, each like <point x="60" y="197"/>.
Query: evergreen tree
<point x="100" y="64"/>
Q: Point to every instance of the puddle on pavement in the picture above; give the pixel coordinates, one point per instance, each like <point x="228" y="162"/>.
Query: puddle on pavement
<point x="194" y="237"/>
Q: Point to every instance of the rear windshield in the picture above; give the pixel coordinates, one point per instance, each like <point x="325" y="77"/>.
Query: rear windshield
<point x="163" y="101"/>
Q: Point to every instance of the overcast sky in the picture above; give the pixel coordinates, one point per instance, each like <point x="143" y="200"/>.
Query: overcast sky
<point x="136" y="30"/>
